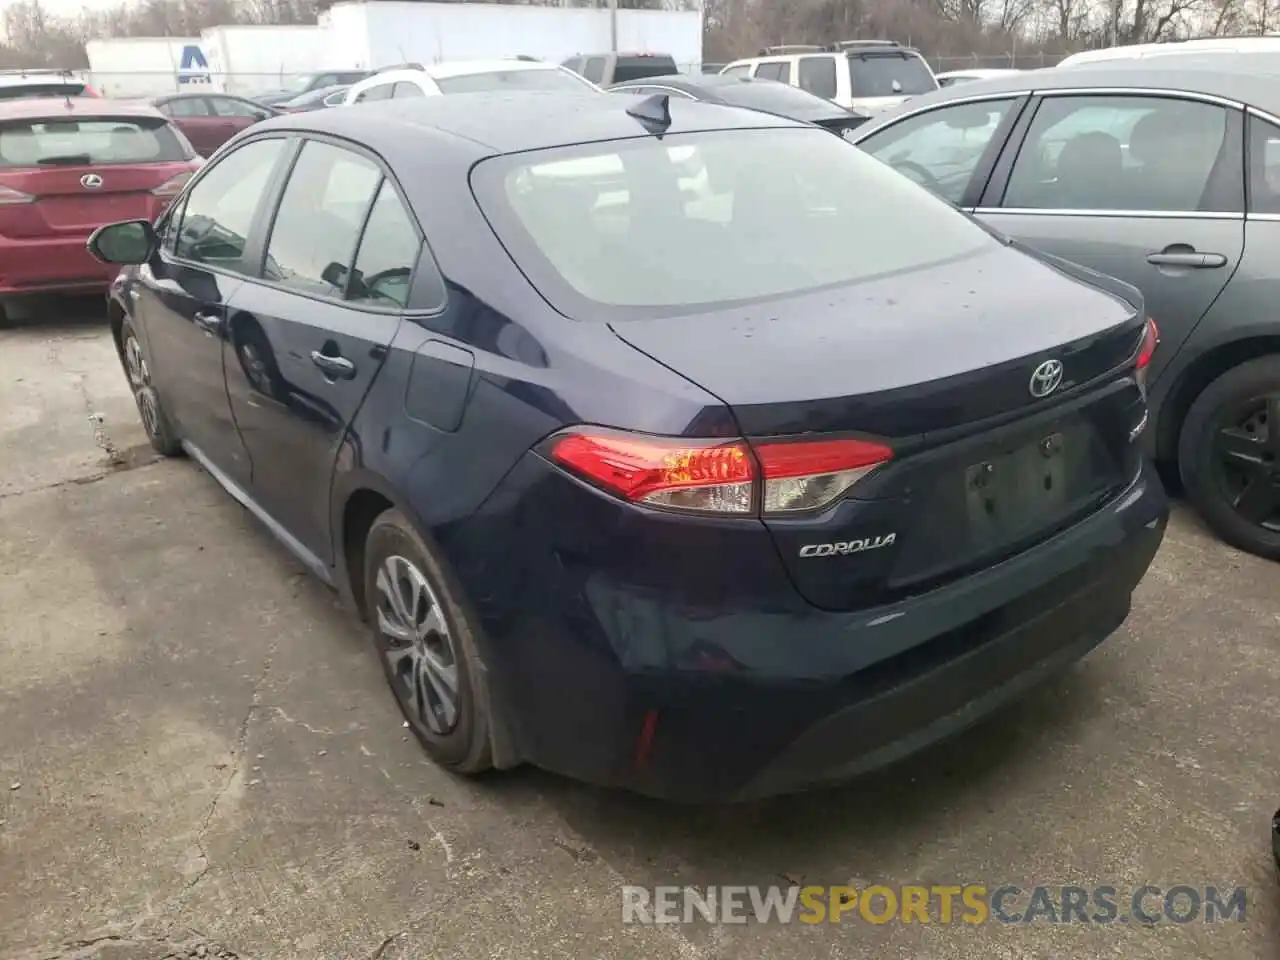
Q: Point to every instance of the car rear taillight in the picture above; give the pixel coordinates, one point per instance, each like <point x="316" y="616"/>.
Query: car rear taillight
<point x="718" y="476"/>
<point x="90" y="92"/>
<point x="9" y="195"/>
<point x="1150" y="340"/>
<point x="173" y="186"/>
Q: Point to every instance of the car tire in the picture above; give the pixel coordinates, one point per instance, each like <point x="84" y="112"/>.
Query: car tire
<point x="426" y="645"/>
<point x="164" y="439"/>
<point x="1224" y="443"/>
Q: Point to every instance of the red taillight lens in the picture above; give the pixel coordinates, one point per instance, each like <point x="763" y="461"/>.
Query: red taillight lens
<point x="709" y="476"/>
<point x="90" y="92"/>
<point x="9" y="195"/>
<point x="1150" y="340"/>
<point x="173" y="186"/>
<point x="806" y="475"/>
<point x="715" y="476"/>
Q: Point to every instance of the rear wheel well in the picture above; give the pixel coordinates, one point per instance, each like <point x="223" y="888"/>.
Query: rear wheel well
<point x="363" y="507"/>
<point x="1202" y="372"/>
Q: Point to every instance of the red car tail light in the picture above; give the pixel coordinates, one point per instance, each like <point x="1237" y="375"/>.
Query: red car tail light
<point x="9" y="195"/>
<point x="718" y="476"/>
<point x="173" y="186"/>
<point x="1150" y="340"/>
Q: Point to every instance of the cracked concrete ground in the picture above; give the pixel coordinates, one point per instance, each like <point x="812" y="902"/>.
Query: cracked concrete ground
<point x="198" y="756"/>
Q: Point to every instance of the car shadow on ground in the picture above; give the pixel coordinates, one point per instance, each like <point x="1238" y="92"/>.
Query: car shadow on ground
<point x="54" y="313"/>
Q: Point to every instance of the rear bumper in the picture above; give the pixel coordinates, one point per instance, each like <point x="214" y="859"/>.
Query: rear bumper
<point x="630" y="681"/>
<point x="51" y="265"/>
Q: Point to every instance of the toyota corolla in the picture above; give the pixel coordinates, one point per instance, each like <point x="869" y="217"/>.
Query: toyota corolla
<point x="661" y="444"/>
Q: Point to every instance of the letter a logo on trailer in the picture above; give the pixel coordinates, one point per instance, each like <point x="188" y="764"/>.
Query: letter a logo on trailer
<point x="193" y="68"/>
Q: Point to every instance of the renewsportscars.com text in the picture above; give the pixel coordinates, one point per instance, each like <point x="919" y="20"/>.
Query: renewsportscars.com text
<point x="969" y="904"/>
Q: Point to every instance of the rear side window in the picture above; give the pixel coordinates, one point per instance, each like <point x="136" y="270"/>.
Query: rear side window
<point x="593" y="69"/>
<point x="313" y="239"/>
<point x="220" y="208"/>
<point x="889" y="75"/>
<point x="513" y="80"/>
<point x="637" y="68"/>
<point x="1264" y="166"/>
<point x="405" y="90"/>
<point x="388" y="253"/>
<point x="818" y="76"/>
<point x="102" y="140"/>
<point x="704" y="221"/>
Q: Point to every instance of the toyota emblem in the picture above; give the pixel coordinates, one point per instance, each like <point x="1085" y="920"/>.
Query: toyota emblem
<point x="1046" y="378"/>
<point x="91" y="181"/>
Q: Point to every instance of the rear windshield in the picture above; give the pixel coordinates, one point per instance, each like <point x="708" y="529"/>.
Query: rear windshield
<point x="637" y="68"/>
<point x="648" y="227"/>
<point x="33" y="91"/>
<point x="773" y="97"/>
<point x="889" y="75"/>
<point x="511" y="80"/>
<point x="51" y="142"/>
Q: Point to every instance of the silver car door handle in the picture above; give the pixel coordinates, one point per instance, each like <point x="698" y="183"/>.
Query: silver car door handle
<point x="1197" y="260"/>
<point x="210" y="323"/>
<point x="339" y="368"/>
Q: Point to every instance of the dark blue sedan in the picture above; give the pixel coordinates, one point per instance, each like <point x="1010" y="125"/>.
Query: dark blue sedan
<point x="661" y="444"/>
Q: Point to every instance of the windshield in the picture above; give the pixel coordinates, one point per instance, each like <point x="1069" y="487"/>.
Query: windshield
<point x="638" y="68"/>
<point x="512" y="80"/>
<point x="889" y="75"/>
<point x="650" y="227"/>
<point x="89" y="142"/>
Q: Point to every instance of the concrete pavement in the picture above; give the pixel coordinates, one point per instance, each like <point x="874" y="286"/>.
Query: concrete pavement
<point x="198" y="756"/>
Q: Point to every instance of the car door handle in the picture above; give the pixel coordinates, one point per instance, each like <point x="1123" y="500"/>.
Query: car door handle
<point x="1202" y="261"/>
<point x="210" y="323"/>
<point x="337" y="368"/>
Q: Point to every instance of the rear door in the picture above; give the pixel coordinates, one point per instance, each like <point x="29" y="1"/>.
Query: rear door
<point x="308" y="338"/>
<point x="213" y="240"/>
<point x="234" y="115"/>
<point x="1146" y="188"/>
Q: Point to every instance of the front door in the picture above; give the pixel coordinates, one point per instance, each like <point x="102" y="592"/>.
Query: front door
<point x="182" y="297"/>
<point x="1148" y="189"/>
<point x="307" y="341"/>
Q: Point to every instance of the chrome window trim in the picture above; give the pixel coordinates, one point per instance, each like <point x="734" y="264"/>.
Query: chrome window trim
<point x="657" y="86"/>
<point x="1145" y="214"/>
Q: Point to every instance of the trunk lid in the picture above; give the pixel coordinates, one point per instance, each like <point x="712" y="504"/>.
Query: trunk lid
<point x="938" y="363"/>
<point x="81" y="173"/>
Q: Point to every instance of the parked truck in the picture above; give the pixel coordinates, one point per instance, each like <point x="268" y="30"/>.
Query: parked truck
<point x="250" y="60"/>
<point x="147" y="66"/>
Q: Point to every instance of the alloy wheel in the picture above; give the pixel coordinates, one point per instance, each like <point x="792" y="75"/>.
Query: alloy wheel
<point x="144" y="393"/>
<point x="418" y="645"/>
<point x="1247" y="461"/>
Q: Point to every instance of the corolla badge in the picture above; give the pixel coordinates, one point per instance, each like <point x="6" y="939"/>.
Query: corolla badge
<point x="91" y="181"/>
<point x="1046" y="378"/>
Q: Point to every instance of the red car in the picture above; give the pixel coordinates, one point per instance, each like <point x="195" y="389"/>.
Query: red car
<point x="68" y="166"/>
<point x="209" y="120"/>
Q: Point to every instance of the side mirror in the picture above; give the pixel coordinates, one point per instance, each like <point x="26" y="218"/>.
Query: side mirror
<point x="131" y="242"/>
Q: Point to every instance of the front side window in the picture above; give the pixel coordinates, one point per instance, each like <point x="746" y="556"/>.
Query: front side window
<point x="889" y="75"/>
<point x="220" y="208"/>
<point x="388" y="252"/>
<point x="741" y="70"/>
<point x="940" y="149"/>
<point x="818" y="76"/>
<point x="1264" y="166"/>
<point x="316" y="228"/>
<point x="227" y="107"/>
<point x="1117" y="153"/>
<point x="776" y="70"/>
<point x="701" y="221"/>
<point x="380" y="91"/>
<point x="405" y="90"/>
<point x="57" y="141"/>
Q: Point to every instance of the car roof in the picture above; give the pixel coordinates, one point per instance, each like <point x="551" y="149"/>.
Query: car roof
<point x="462" y="68"/>
<point x="1242" y="78"/>
<point x="509" y="122"/>
<point x="87" y="107"/>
